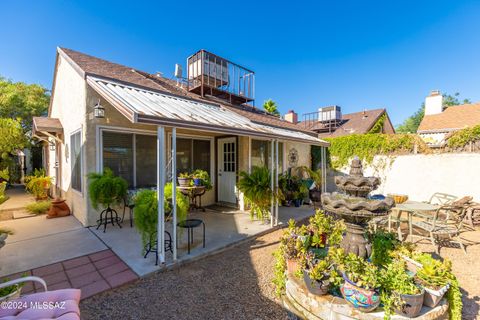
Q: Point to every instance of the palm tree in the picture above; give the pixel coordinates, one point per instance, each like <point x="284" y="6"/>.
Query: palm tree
<point x="271" y="107"/>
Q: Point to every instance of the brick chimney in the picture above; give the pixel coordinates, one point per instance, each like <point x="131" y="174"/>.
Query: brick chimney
<point x="291" y="116"/>
<point x="434" y="103"/>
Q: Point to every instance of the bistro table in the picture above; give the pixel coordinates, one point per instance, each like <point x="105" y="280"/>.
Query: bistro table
<point x="411" y="208"/>
<point x="190" y="224"/>
<point x="194" y="194"/>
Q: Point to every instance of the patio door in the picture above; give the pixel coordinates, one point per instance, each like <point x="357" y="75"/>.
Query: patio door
<point x="227" y="166"/>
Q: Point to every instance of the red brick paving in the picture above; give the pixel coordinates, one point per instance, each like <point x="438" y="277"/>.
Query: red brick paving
<point x="92" y="274"/>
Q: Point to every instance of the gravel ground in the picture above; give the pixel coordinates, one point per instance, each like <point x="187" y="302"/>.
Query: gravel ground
<point x="236" y="284"/>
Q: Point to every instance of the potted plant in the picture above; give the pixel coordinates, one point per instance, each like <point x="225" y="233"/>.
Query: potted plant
<point x="434" y="277"/>
<point x="39" y="186"/>
<point x="10" y="292"/>
<point x="361" y="285"/>
<point x="315" y="193"/>
<point x="317" y="275"/>
<point x="146" y="211"/>
<point x="184" y="179"/>
<point x="400" y="291"/>
<point x="202" y="178"/>
<point x="257" y="191"/>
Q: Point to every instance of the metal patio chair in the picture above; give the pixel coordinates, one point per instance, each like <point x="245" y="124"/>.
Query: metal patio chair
<point x="445" y="226"/>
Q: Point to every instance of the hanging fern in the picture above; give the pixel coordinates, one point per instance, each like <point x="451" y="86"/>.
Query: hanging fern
<point x="146" y="210"/>
<point x="106" y="189"/>
<point x="257" y="191"/>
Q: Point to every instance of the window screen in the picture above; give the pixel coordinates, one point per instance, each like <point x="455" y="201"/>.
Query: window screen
<point x="146" y="161"/>
<point x="118" y="154"/>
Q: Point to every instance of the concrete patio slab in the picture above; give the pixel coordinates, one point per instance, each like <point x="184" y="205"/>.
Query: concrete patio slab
<point x="39" y="241"/>
<point x="221" y="230"/>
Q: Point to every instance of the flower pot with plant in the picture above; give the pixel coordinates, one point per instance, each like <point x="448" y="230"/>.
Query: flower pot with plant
<point x="10" y="292"/>
<point x="434" y="277"/>
<point x="316" y="175"/>
<point x="184" y="179"/>
<point x="257" y="191"/>
<point x="106" y="190"/>
<point x="400" y="292"/>
<point x="361" y="285"/>
<point x="202" y="178"/>
<point x="39" y="187"/>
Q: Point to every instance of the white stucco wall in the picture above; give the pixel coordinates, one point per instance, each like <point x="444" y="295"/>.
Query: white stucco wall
<point x="68" y="104"/>
<point x="419" y="176"/>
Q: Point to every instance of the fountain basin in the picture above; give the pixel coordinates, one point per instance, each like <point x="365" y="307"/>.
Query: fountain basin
<point x="304" y="305"/>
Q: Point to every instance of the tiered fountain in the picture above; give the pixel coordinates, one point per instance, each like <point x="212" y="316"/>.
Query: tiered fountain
<point x="355" y="208"/>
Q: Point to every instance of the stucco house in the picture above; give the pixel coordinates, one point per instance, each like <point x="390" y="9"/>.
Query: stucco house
<point x="329" y="122"/>
<point x="104" y="114"/>
<point x="439" y="122"/>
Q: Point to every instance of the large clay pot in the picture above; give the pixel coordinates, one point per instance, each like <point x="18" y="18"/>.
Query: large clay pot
<point x="412" y="304"/>
<point x="318" y="288"/>
<point x="358" y="297"/>
<point x="58" y="208"/>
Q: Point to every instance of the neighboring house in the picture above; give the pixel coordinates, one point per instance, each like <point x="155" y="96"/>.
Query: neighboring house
<point x="329" y="122"/>
<point x="103" y="114"/>
<point x="439" y="122"/>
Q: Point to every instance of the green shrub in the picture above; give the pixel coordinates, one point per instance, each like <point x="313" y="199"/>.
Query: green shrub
<point x="204" y="176"/>
<point x="106" y="189"/>
<point x="39" y="207"/>
<point x="4" y="175"/>
<point x="39" y="186"/>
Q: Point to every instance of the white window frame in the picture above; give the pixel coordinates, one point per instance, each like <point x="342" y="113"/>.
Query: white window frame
<point x="134" y="132"/>
<point x="82" y="185"/>
<point x="212" y="149"/>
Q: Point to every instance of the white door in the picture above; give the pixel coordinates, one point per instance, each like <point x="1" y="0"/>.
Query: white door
<point x="227" y="168"/>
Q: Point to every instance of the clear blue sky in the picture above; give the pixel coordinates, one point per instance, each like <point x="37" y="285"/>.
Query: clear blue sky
<point x="356" y="54"/>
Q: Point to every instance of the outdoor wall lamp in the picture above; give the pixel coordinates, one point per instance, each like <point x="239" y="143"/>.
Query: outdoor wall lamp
<point x="98" y="110"/>
<point x="52" y="146"/>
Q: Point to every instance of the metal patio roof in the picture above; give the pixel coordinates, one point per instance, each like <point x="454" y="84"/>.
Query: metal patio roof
<point x="142" y="105"/>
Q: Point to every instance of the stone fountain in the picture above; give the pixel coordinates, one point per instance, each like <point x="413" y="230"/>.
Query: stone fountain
<point x="355" y="208"/>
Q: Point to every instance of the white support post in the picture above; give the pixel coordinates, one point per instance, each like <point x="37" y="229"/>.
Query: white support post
<point x="276" y="181"/>
<point x="160" y="193"/>
<point x="272" y="170"/>
<point x="174" y="193"/>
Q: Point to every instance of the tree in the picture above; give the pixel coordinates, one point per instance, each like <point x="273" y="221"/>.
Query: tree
<point x="22" y="101"/>
<point x="411" y="124"/>
<point x="12" y="137"/>
<point x="271" y="107"/>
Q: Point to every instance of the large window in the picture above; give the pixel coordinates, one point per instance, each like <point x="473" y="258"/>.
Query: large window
<point x="261" y="154"/>
<point x="193" y="154"/>
<point x="132" y="157"/>
<point x="76" y="160"/>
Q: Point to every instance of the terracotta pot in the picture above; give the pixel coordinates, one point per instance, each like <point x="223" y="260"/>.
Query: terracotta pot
<point x="412" y="304"/>
<point x="292" y="267"/>
<point x="433" y="297"/>
<point x="14" y="295"/>
<point x="318" y="288"/>
<point x="184" y="182"/>
<point x="358" y="297"/>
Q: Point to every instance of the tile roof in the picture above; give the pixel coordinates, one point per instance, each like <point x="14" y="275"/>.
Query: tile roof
<point x="357" y="122"/>
<point x="98" y="67"/>
<point x="454" y="117"/>
<point x="47" y="124"/>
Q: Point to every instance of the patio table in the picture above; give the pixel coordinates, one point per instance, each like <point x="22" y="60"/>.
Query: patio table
<point x="194" y="193"/>
<point x="412" y="208"/>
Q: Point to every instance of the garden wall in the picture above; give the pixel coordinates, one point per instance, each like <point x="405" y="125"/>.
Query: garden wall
<point x="421" y="175"/>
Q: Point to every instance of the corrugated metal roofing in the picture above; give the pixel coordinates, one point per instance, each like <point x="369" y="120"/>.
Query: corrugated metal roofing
<point x="147" y="106"/>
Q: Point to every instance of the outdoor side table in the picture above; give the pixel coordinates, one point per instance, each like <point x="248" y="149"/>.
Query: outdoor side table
<point x="191" y="224"/>
<point x="194" y="194"/>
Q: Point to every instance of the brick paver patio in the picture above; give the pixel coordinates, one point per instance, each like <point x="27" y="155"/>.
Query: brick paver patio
<point x="92" y="274"/>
